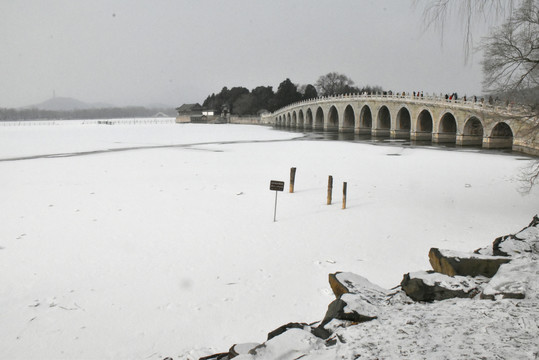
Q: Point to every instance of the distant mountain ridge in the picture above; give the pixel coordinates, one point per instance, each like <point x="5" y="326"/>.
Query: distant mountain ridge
<point x="69" y="108"/>
<point x="66" y="104"/>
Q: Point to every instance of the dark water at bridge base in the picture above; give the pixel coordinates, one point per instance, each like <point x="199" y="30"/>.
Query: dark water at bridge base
<point x="326" y="135"/>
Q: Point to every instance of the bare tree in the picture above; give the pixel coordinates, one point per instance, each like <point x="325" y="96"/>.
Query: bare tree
<point x="437" y="12"/>
<point x="334" y="84"/>
<point x="511" y="54"/>
<point x="511" y="51"/>
<point x="529" y="176"/>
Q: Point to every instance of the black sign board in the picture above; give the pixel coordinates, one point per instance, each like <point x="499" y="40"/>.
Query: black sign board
<point x="276" y="185"/>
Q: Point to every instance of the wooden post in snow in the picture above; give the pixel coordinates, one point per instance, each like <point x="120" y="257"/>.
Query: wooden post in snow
<point x="344" y="195"/>
<point x="330" y="188"/>
<point x="292" y="178"/>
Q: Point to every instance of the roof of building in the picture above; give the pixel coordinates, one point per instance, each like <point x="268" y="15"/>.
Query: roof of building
<point x="189" y="108"/>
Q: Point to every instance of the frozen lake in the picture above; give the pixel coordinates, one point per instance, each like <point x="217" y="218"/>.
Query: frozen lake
<point x="168" y="243"/>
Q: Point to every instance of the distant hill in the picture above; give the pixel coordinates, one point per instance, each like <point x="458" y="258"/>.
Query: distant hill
<point x="66" y="104"/>
<point x="69" y="108"/>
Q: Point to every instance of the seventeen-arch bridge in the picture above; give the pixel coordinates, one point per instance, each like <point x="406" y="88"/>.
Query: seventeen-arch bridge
<point x="426" y="118"/>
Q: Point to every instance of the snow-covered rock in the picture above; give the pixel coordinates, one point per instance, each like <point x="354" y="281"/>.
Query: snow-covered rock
<point x="453" y="263"/>
<point x="241" y="349"/>
<point x="290" y="345"/>
<point x="515" y="280"/>
<point x="358" y="300"/>
<point x="432" y="286"/>
<point x="340" y="309"/>
<point x="347" y="282"/>
<point x="525" y="242"/>
<point x="286" y="327"/>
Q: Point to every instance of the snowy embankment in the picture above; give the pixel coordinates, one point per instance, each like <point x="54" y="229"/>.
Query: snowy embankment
<point x="168" y="251"/>
<point x="366" y="321"/>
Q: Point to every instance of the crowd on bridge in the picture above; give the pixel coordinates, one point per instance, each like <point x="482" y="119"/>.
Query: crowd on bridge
<point x="472" y="101"/>
<point x="448" y="97"/>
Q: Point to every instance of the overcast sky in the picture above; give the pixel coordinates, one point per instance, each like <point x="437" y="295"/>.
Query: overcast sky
<point x="128" y="52"/>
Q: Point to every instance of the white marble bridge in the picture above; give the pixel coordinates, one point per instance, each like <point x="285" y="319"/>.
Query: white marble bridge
<point x="427" y="118"/>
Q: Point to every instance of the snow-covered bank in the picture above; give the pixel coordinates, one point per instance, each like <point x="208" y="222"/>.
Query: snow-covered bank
<point x="153" y="253"/>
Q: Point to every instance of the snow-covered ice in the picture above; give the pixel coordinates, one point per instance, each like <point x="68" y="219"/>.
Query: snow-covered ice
<point x="159" y="251"/>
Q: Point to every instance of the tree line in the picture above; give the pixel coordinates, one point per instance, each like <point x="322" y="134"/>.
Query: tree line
<point x="241" y="101"/>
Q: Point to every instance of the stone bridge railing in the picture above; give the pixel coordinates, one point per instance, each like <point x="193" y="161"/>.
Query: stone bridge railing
<point x="496" y="106"/>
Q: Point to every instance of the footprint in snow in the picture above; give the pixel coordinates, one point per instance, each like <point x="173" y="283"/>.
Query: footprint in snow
<point x="325" y="291"/>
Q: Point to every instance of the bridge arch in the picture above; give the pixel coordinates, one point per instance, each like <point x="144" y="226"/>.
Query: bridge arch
<point x="288" y="120"/>
<point x="301" y="119"/>
<point x="424" y="121"/>
<point x="349" y="119"/>
<point x="423" y="126"/>
<point x="502" y="129"/>
<point x="403" y="124"/>
<point x="333" y="119"/>
<point x="472" y="132"/>
<point x="365" y="120"/>
<point x="383" y="122"/>
<point x="319" y="119"/>
<point x="309" y="119"/>
<point x="501" y="137"/>
<point x="447" y="129"/>
<point x="294" y="119"/>
<point x="473" y="126"/>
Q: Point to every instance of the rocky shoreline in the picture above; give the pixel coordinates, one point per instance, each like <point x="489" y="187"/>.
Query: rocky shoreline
<point x="503" y="275"/>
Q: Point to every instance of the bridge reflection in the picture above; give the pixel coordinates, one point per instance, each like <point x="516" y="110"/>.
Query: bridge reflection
<point x="321" y="135"/>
